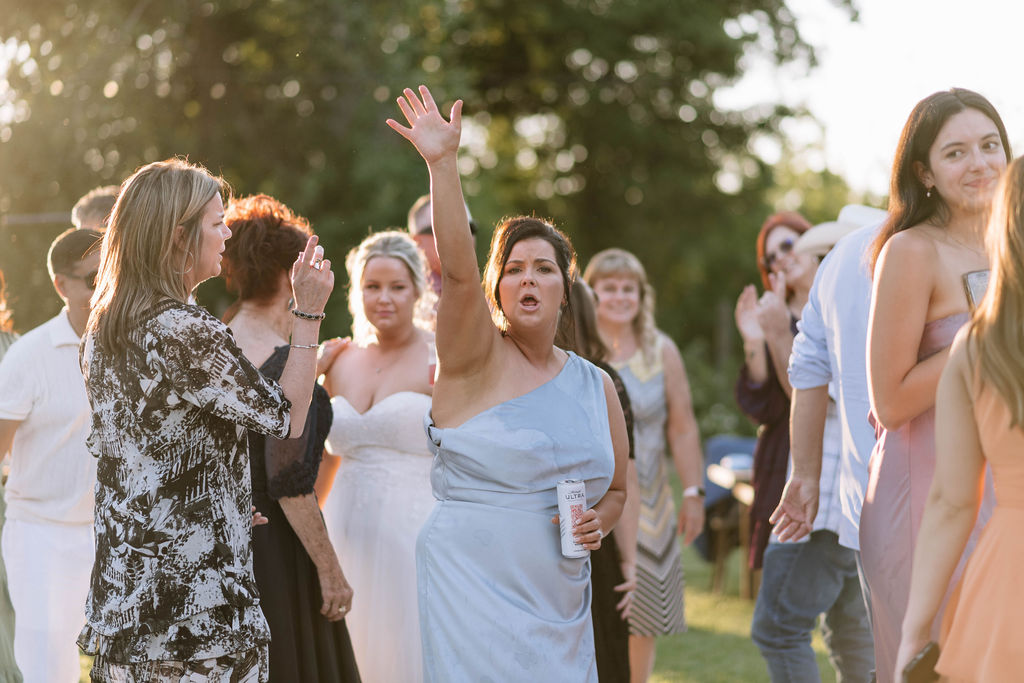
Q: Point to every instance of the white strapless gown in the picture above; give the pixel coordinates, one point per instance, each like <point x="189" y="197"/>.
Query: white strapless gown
<point x="380" y="499"/>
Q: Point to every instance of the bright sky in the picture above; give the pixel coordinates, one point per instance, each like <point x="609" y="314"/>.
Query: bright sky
<point x="872" y="73"/>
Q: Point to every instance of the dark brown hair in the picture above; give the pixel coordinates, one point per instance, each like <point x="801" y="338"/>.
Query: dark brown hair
<point x="265" y="239"/>
<point x="70" y="247"/>
<point x="789" y="219"/>
<point x="578" y="332"/>
<point x="506" y="235"/>
<point x="909" y="204"/>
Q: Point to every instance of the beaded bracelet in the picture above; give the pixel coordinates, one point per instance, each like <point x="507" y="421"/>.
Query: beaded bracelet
<point x="308" y="316"/>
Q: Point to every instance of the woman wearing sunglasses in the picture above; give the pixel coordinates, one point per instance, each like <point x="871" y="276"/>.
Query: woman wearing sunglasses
<point x="768" y="326"/>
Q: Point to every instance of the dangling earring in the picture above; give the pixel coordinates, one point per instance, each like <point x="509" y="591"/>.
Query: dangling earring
<point x="193" y="263"/>
<point x="928" y="193"/>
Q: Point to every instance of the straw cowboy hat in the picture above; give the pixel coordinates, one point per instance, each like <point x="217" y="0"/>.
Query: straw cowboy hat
<point x="822" y="237"/>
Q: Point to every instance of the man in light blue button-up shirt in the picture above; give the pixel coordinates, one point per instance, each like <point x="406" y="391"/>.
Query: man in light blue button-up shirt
<point x="831" y="347"/>
<point x="802" y="580"/>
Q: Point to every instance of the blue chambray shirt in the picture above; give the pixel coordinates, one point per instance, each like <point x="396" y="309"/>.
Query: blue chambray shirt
<point x="831" y="348"/>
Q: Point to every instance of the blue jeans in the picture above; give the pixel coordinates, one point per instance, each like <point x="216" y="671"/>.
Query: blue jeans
<point x="800" y="582"/>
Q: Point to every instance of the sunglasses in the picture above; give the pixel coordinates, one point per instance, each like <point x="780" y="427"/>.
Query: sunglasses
<point x="785" y="247"/>
<point x="89" y="278"/>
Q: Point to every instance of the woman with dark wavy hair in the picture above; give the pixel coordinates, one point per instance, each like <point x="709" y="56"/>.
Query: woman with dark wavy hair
<point x="512" y="415"/>
<point x="303" y="591"/>
<point x="950" y="156"/>
<point x="979" y="423"/>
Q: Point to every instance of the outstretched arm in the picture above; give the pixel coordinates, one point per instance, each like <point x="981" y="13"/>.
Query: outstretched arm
<point x="465" y="332"/>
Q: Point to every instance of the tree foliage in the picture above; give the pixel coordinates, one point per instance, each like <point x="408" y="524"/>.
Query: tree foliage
<point x="599" y="114"/>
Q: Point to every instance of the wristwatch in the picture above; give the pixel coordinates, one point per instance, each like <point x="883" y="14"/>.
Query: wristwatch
<point x="693" y="491"/>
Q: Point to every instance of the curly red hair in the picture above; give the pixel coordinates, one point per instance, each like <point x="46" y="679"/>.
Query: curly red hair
<point x="265" y="238"/>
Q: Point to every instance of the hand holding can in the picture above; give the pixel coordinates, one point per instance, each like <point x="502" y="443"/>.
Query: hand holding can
<point x="572" y="501"/>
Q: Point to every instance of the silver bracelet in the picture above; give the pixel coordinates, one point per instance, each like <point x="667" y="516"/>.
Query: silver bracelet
<point x="308" y="316"/>
<point x="304" y="346"/>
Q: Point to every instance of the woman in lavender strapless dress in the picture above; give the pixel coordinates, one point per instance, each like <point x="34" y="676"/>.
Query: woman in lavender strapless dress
<point x="951" y="153"/>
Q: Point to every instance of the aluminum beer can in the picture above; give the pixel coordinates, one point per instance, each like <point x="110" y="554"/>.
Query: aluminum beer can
<point x="572" y="501"/>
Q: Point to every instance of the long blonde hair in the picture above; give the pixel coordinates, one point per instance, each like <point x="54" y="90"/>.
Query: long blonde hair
<point x="399" y="245"/>
<point x="997" y="331"/>
<point x="621" y="263"/>
<point x="141" y="262"/>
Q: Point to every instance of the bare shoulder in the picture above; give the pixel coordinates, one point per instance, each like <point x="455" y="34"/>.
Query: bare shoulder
<point x="670" y="354"/>
<point x="349" y="359"/>
<point x="914" y="243"/>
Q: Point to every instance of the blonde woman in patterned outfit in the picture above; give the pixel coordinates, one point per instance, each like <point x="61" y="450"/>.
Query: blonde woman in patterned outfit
<point x="172" y="595"/>
<point x="652" y="369"/>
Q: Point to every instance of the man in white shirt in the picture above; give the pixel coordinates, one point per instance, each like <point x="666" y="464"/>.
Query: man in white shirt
<point x="44" y="420"/>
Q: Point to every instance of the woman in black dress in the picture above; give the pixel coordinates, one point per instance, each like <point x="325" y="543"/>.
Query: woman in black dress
<point x="613" y="565"/>
<point x="303" y="592"/>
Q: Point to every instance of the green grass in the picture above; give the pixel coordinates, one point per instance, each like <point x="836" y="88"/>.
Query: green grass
<point x="717" y="647"/>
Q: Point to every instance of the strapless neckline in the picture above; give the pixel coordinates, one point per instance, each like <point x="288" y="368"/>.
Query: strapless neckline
<point x="939" y="333"/>
<point x="342" y="399"/>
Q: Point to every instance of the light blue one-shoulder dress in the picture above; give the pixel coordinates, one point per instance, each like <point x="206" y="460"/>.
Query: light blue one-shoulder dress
<point x="497" y="600"/>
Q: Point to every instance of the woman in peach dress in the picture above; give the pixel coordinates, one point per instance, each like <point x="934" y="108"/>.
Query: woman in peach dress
<point x="979" y="418"/>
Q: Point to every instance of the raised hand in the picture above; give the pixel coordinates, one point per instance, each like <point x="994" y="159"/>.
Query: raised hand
<point x="433" y="137"/>
<point x="746" y="315"/>
<point x="312" y="279"/>
<point x="772" y="313"/>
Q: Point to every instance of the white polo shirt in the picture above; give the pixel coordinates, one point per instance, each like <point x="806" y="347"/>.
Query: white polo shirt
<point x="52" y="475"/>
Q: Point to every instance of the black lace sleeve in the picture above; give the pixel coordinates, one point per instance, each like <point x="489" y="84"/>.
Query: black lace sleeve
<point x="292" y="464"/>
<point x="627" y="406"/>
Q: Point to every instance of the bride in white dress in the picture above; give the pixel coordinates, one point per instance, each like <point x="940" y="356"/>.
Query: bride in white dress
<point x="378" y="460"/>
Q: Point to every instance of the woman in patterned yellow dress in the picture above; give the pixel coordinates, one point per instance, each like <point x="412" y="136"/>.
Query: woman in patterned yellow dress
<point x="664" y="424"/>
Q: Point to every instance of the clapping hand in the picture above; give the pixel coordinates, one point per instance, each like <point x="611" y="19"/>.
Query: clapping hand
<point x="746" y="316"/>
<point x="772" y="313"/>
<point x="433" y="137"/>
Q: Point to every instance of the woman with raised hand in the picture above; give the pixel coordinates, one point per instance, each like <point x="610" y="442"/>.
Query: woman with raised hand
<point x="979" y="421"/>
<point x="172" y="396"/>
<point x="652" y="369"/>
<point x="767" y="325"/>
<point x="303" y="592"/>
<point x="512" y="415"/>
<point x="376" y="479"/>
<point x="950" y="155"/>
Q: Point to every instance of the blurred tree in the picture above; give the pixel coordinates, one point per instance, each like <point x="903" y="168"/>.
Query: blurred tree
<point x="598" y="113"/>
